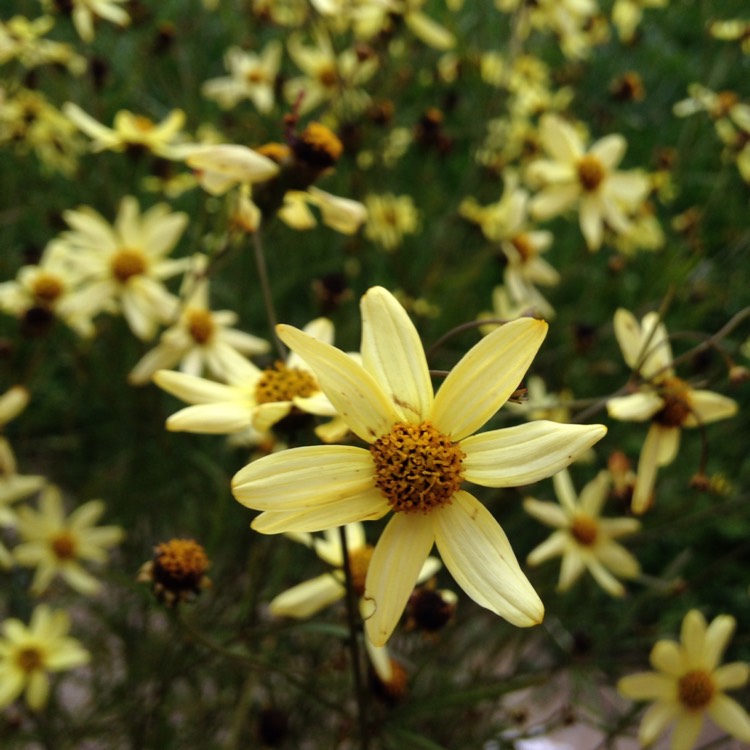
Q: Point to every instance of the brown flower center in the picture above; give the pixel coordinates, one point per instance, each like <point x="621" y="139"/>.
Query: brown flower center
<point x="29" y="659"/>
<point x="128" y="262"/>
<point x="328" y="76"/>
<point x="675" y="394"/>
<point x="282" y="383"/>
<point x="695" y="689"/>
<point x="318" y="146"/>
<point x="180" y="564"/>
<point x="47" y="288"/>
<point x="584" y="530"/>
<point x="590" y="172"/>
<point x="64" y="546"/>
<point x="201" y="325"/>
<point x="143" y="124"/>
<point x="523" y="245"/>
<point x="359" y="562"/>
<point x="417" y="467"/>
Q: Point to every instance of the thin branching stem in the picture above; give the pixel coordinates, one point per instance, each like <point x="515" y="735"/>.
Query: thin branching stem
<point x="265" y="287"/>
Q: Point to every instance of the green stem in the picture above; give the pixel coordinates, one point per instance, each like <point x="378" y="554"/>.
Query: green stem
<point x="265" y="287"/>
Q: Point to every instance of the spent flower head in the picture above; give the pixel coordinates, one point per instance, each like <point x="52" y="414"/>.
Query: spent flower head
<point x="420" y="450"/>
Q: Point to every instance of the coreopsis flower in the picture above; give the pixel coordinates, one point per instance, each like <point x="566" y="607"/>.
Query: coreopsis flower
<point x="583" y="539"/>
<point x="341" y="214"/>
<point x="29" y="653"/>
<point x="130" y="131"/>
<point x="420" y="449"/>
<point x="573" y="175"/>
<point x="669" y="402"/>
<point x="13" y="487"/>
<point x="690" y="683"/>
<point x="123" y="265"/>
<point x="177" y="571"/>
<point x="251" y="76"/>
<point x="201" y="339"/>
<point x="733" y="30"/>
<point x="23" y="39"/>
<point x="56" y="544"/>
<point x="252" y="397"/>
<point x="85" y="12"/>
<point x="389" y="218"/>
<point x="627" y="15"/>
<point x="506" y="224"/>
<point x="49" y="289"/>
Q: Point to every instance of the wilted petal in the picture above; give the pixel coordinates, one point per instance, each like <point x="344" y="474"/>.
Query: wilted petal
<point x="478" y="555"/>
<point x="486" y="376"/>
<point x="354" y="393"/>
<point x="392" y="353"/>
<point x="301" y="478"/>
<point x="520" y="455"/>
<point x="394" y="569"/>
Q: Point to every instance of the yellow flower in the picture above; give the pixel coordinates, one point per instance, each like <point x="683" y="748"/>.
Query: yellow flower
<point x="124" y="265"/>
<point x="22" y="39"/>
<point x="251" y="397"/>
<point x="55" y="544"/>
<point x="389" y="218"/>
<point x="587" y="178"/>
<point x="201" y="339"/>
<point x="419" y="452"/>
<point x="251" y="76"/>
<point x="583" y="539"/>
<point x="627" y="14"/>
<point x="129" y="131"/>
<point x="27" y="654"/>
<point x="668" y="401"/>
<point x="690" y="684"/>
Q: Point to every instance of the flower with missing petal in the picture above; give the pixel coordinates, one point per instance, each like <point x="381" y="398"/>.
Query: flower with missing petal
<point x="690" y="683"/>
<point x="420" y="449"/>
<point x="28" y="653"/>
<point x="583" y="539"/>
<point x="667" y="401"/>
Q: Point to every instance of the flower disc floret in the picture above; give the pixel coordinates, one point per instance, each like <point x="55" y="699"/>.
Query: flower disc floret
<point x="64" y="546"/>
<point x="29" y="659"/>
<point x="676" y="409"/>
<point x="585" y="530"/>
<point x="282" y="383"/>
<point x="128" y="262"/>
<point x="590" y="172"/>
<point x="47" y="288"/>
<point x="201" y="325"/>
<point x="417" y="468"/>
<point x="180" y="564"/>
<point x="695" y="689"/>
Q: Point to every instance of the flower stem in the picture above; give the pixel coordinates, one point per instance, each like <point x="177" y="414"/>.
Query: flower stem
<point x="352" y="615"/>
<point x="265" y="286"/>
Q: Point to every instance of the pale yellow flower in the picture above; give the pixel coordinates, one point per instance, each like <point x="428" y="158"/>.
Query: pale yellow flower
<point x="201" y="339"/>
<point x="732" y="30"/>
<point x="251" y="76"/>
<point x="130" y="131"/>
<point x="124" y="265"/>
<point x="389" y="218"/>
<point x="252" y="397"/>
<point x="589" y="179"/>
<point x="56" y="544"/>
<point x="690" y="683"/>
<point x="627" y="15"/>
<point x="420" y="449"/>
<point x="661" y="397"/>
<point x="28" y="653"/>
<point x="583" y="539"/>
<point x="22" y="39"/>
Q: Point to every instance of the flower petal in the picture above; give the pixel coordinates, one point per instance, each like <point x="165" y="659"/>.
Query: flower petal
<point x="667" y="657"/>
<point x="550" y="514"/>
<point x="354" y="393"/>
<point x="392" y="353"/>
<point x="709" y="407"/>
<point x="647" y="686"/>
<point x="636" y="407"/>
<point x="307" y="598"/>
<point x="731" y="676"/>
<point x="730" y="716"/>
<point x="718" y="635"/>
<point x="394" y="569"/>
<point x="302" y="478"/>
<point x="656" y="719"/>
<point x="478" y="555"/>
<point x="210" y="419"/>
<point x="555" y="546"/>
<point x="686" y="730"/>
<point x="520" y="455"/>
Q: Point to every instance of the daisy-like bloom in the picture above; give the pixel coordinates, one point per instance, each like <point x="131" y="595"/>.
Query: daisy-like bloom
<point x="201" y="339"/>
<point x="627" y="15"/>
<point x="583" y="539"/>
<point x="250" y="77"/>
<point x="22" y="39"/>
<point x="49" y="289"/>
<point x="506" y="224"/>
<point x="177" y="571"/>
<point x="124" y="265"/>
<point x="341" y="214"/>
<point x="732" y="30"/>
<point x="308" y="598"/>
<point x="667" y="401"/>
<point x="28" y="653"/>
<point x="129" y="131"/>
<point x="55" y="544"/>
<point x="589" y="179"/>
<point x="689" y="684"/>
<point x="389" y="218"/>
<point x="419" y="452"/>
<point x="85" y="12"/>
<point x="251" y="397"/>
